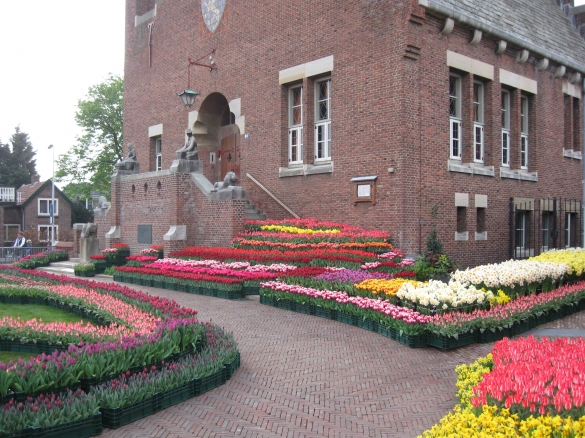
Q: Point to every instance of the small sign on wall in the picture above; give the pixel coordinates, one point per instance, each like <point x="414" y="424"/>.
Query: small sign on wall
<point x="364" y="189"/>
<point x="145" y="234"/>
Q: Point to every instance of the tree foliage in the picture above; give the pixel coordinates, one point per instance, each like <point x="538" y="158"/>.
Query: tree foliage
<point x="90" y="162"/>
<point x="17" y="163"/>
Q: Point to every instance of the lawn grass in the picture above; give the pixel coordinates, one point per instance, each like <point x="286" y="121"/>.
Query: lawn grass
<point x="30" y="311"/>
<point x="7" y="356"/>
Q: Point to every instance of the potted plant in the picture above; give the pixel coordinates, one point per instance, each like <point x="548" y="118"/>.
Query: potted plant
<point x="85" y="269"/>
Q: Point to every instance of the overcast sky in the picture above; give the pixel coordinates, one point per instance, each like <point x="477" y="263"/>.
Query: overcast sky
<point x="52" y="52"/>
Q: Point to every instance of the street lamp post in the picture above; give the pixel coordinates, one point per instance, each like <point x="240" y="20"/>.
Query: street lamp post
<point x="52" y="206"/>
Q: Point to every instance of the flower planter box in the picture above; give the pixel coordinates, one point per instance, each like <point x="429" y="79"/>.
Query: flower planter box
<point x="286" y="305"/>
<point x="182" y="287"/>
<point x="448" y="342"/>
<point x="205" y="384"/>
<point x="231" y="367"/>
<point x="489" y="336"/>
<point x="346" y="318"/>
<point x="303" y="308"/>
<point x="85" y="274"/>
<point x="76" y="429"/>
<point x="229" y="294"/>
<point x="157" y="283"/>
<point x="251" y="290"/>
<point x="176" y="395"/>
<point x="324" y="313"/>
<point x="118" y="417"/>
<point x="87" y="383"/>
<point x="412" y="341"/>
<point x="30" y="347"/>
<point x="389" y="332"/>
<point x="522" y="326"/>
<point x="367" y="324"/>
<point x="269" y="301"/>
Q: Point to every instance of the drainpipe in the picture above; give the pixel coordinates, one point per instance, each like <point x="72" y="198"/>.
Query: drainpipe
<point x="583" y="161"/>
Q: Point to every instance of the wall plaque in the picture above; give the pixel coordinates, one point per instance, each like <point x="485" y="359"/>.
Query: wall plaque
<point x="145" y="234"/>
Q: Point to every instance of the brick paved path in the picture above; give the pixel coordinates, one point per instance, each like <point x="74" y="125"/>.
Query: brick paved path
<point x="305" y="376"/>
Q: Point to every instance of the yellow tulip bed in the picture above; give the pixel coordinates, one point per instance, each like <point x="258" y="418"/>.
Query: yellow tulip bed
<point x="492" y="421"/>
<point x="382" y="286"/>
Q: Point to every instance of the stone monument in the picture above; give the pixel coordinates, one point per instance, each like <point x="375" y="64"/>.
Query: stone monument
<point x="88" y="242"/>
<point x="188" y="156"/>
<point x="228" y="188"/>
<point x="128" y="165"/>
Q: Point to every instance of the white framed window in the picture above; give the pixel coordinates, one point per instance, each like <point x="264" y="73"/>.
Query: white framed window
<point x="506" y="128"/>
<point x="44" y="232"/>
<point x="521" y="228"/>
<point x="455" y="116"/>
<point x="295" y="125"/>
<point x="158" y="153"/>
<point x="524" y="124"/>
<point x="571" y="222"/>
<point x="323" y="120"/>
<point x="44" y="207"/>
<point x="478" y="125"/>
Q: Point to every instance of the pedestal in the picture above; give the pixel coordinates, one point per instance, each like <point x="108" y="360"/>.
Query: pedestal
<point x="88" y="246"/>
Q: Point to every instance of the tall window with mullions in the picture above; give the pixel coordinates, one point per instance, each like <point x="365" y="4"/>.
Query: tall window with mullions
<point x="323" y="120"/>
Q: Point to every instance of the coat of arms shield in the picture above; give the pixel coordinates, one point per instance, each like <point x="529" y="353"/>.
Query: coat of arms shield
<point x="212" y="11"/>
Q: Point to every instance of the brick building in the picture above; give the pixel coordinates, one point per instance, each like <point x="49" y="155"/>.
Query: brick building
<point x="29" y="211"/>
<point x="375" y="113"/>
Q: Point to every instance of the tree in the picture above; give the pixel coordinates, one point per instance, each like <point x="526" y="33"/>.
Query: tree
<point x="91" y="161"/>
<point x="17" y="165"/>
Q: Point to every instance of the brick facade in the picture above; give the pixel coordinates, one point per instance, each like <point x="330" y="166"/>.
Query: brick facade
<point x="166" y="199"/>
<point x="26" y="215"/>
<point x="390" y="119"/>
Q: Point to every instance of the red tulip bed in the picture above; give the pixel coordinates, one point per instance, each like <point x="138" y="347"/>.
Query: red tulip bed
<point x="324" y="269"/>
<point x="132" y="355"/>
<point x="523" y="388"/>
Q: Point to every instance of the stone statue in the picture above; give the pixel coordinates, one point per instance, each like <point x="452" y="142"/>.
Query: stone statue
<point x="89" y="230"/>
<point x="102" y="207"/>
<point x="129" y="162"/>
<point x="230" y="180"/>
<point x="190" y="150"/>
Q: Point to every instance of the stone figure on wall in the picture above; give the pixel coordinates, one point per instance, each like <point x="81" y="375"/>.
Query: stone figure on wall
<point x="190" y="150"/>
<point x="230" y="180"/>
<point x="129" y="162"/>
<point x="89" y="230"/>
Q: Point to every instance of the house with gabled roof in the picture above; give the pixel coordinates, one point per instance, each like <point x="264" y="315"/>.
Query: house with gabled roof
<point x="29" y="210"/>
<point x="464" y="116"/>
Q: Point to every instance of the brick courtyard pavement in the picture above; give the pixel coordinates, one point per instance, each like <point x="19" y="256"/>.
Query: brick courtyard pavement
<point x="305" y="376"/>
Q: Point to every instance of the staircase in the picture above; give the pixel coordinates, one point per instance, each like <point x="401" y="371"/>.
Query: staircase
<point x="252" y="213"/>
<point x="66" y="268"/>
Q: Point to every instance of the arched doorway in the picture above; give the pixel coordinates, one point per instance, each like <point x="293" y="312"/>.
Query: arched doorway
<point x="216" y="132"/>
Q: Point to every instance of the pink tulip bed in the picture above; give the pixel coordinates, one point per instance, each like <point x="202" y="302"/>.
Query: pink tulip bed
<point x="155" y="351"/>
<point x="353" y="275"/>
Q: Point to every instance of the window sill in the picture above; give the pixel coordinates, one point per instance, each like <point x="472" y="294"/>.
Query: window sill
<point x="521" y="175"/>
<point x="464" y="235"/>
<point x="481" y="236"/>
<point x="470" y="168"/>
<point x="306" y="169"/>
<point x="570" y="153"/>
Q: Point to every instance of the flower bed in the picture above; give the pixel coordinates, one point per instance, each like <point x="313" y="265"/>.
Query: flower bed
<point x="147" y="348"/>
<point x="523" y="388"/>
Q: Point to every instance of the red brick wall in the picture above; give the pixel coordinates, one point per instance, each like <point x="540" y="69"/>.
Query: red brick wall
<point x="164" y="200"/>
<point x="389" y="109"/>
